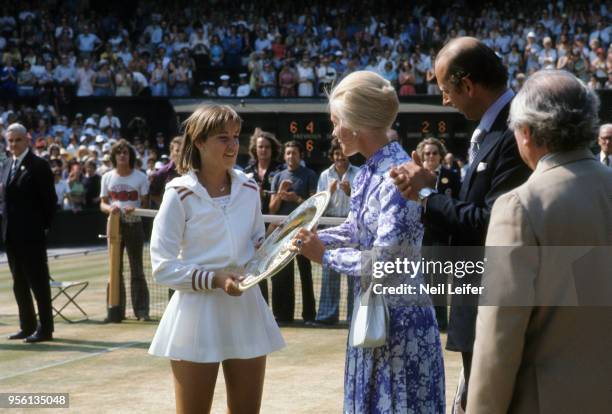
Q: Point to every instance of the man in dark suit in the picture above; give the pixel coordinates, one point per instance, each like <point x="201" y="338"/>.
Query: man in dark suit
<point x="29" y="205"/>
<point x="474" y="80"/>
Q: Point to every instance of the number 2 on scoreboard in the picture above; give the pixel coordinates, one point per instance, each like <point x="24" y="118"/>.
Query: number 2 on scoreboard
<point x="425" y="127"/>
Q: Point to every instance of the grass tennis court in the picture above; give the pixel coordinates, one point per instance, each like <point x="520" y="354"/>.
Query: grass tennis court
<point x="106" y="369"/>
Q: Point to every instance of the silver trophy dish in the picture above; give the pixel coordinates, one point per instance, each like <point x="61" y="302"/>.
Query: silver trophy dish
<point x="275" y="252"/>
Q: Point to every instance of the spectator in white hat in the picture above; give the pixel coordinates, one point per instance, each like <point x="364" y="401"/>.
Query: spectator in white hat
<point x="532" y="51"/>
<point x="224" y="89"/>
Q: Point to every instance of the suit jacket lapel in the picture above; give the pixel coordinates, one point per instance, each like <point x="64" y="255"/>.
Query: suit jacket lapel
<point x="6" y="171"/>
<point x="23" y="167"/>
<point x="488" y="143"/>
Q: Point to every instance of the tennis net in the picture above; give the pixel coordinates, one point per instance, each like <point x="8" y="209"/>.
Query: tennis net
<point x="159" y="295"/>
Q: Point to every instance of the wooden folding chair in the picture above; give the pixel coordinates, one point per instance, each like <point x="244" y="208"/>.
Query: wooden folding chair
<point x="69" y="291"/>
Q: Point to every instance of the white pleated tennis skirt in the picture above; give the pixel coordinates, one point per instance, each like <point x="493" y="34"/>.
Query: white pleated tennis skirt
<point x="212" y="326"/>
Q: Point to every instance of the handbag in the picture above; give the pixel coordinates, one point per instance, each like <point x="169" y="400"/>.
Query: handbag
<point x="370" y="321"/>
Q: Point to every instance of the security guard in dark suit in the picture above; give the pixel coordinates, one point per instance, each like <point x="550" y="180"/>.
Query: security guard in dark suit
<point x="29" y="206"/>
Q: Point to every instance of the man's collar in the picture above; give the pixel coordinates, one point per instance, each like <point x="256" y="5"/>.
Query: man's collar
<point x="489" y="117"/>
<point x="22" y="156"/>
<point x="555" y="159"/>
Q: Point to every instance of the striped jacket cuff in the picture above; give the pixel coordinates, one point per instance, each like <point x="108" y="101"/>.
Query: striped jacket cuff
<point x="201" y="280"/>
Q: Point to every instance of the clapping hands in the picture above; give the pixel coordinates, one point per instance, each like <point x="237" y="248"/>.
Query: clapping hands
<point x="411" y="177"/>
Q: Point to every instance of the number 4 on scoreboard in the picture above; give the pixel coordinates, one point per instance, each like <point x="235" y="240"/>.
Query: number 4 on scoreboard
<point x="294" y="127"/>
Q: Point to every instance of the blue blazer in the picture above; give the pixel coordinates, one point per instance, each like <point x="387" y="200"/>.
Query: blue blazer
<point x="497" y="169"/>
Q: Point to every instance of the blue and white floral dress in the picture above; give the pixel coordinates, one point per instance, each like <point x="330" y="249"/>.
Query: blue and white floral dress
<point x="406" y="375"/>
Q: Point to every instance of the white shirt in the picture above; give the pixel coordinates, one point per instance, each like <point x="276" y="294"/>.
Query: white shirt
<point x="87" y="42"/>
<point x="548" y="58"/>
<point x="262" y="44"/>
<point x="224" y="91"/>
<point x="113" y="122"/>
<point x="19" y="159"/>
<point x="140" y="78"/>
<point x="195" y="40"/>
<point x="243" y="90"/>
<point x="340" y="202"/>
<point x="487" y="120"/>
<point x="125" y="191"/>
<point x="84" y="77"/>
<point x="602" y="158"/>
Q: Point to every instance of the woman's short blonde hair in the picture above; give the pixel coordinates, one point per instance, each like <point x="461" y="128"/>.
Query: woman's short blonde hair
<point x="364" y="100"/>
<point x="204" y="121"/>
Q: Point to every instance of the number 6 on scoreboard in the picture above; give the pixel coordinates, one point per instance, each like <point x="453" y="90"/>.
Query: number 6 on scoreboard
<point x="309" y="145"/>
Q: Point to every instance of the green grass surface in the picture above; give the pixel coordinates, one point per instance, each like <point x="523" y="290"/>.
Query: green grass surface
<point x="106" y="369"/>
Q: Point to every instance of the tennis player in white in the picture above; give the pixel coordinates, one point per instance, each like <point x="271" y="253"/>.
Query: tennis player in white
<point x="209" y="222"/>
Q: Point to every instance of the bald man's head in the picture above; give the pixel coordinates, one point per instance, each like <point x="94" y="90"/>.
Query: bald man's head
<point x="468" y="57"/>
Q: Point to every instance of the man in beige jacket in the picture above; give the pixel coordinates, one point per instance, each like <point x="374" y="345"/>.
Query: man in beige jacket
<point x="544" y="342"/>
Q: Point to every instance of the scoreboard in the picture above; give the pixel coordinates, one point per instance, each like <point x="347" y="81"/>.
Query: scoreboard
<point x="309" y="123"/>
<point x="314" y="131"/>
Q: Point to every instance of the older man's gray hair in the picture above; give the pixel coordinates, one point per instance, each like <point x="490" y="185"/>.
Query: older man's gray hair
<point x="18" y="128"/>
<point x="560" y="111"/>
<point x="603" y="128"/>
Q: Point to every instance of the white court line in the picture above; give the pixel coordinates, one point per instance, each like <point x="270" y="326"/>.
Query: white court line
<point x="68" y="361"/>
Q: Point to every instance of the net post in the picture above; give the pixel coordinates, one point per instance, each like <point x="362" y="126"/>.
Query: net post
<point x="114" y="256"/>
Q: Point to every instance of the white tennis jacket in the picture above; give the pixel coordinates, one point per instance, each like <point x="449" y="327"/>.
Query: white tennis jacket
<point x="192" y="237"/>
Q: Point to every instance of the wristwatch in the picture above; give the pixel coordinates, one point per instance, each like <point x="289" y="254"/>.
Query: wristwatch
<point x="425" y="192"/>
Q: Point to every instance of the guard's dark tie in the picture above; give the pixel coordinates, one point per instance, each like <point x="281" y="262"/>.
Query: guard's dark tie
<point x="13" y="170"/>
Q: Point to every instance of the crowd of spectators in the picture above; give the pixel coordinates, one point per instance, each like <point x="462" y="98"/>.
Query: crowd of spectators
<point x="266" y="49"/>
<point x="58" y="49"/>
<point x="78" y="149"/>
